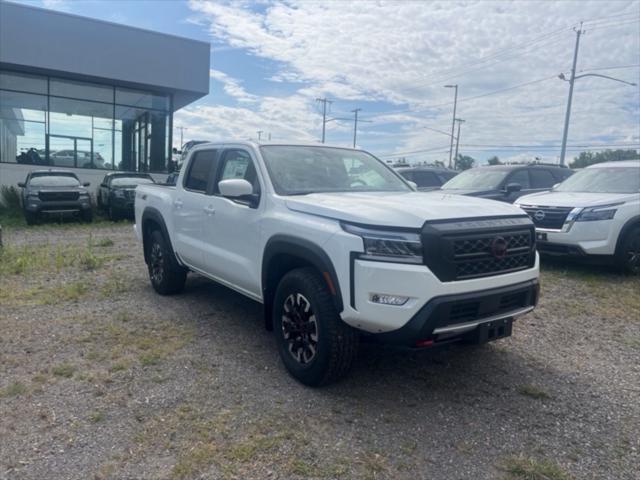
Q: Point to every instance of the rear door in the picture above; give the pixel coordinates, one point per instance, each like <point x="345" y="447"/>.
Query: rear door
<point x="232" y="226"/>
<point x="189" y="205"/>
<point x="541" y="179"/>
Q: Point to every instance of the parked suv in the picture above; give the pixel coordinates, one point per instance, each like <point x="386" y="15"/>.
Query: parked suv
<point x="117" y="192"/>
<point x="338" y="246"/>
<point x="506" y="182"/>
<point x="594" y="213"/>
<point x="47" y="192"/>
<point x="427" y="178"/>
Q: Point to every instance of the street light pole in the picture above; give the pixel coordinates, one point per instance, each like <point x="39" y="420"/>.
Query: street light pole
<point x="324" y="102"/>
<point x="355" y="125"/>
<point x="453" y="123"/>
<point x="459" y="120"/>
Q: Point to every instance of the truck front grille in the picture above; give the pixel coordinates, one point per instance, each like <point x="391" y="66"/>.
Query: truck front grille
<point x="58" y="196"/>
<point x="547" y="217"/>
<point x="472" y="249"/>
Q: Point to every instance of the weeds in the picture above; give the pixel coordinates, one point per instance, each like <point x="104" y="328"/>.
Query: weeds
<point x="64" y="370"/>
<point x="526" y="468"/>
<point x="13" y="389"/>
<point x="533" y="392"/>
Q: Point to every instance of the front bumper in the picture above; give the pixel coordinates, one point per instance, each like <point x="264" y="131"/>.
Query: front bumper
<point x="583" y="238"/>
<point x="456" y="317"/>
<point x="74" y="206"/>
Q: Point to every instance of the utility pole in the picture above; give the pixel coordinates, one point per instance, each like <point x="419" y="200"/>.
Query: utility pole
<point x="355" y="125"/>
<point x="324" y="102"/>
<point x="182" y="129"/>
<point x="460" y="121"/>
<point x="453" y="123"/>
<point x="259" y="135"/>
<point x="571" y="82"/>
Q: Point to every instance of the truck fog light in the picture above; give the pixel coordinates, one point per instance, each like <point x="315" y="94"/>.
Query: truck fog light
<point x="388" y="299"/>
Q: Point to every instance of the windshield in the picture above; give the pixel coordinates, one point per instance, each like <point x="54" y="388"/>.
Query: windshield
<point x="54" y="181"/>
<point x="130" y="181"/>
<point x="603" y="180"/>
<point x="297" y="170"/>
<point x="476" y="179"/>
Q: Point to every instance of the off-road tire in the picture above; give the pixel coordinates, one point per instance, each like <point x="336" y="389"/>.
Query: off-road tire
<point x="30" y="217"/>
<point x="628" y="255"/>
<point x="86" y="216"/>
<point x="337" y="342"/>
<point x="113" y="214"/>
<point x="167" y="277"/>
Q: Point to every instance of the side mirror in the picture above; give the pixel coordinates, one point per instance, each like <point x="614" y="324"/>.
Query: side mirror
<point x="86" y="184"/>
<point x="513" y="187"/>
<point x="235" y="187"/>
<point x="22" y="184"/>
<point x="414" y="185"/>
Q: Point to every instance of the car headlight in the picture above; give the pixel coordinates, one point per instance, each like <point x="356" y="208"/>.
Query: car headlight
<point x="388" y="245"/>
<point x="592" y="214"/>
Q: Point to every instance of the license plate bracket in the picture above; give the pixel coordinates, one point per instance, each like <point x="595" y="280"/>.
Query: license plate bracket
<point x="490" y="331"/>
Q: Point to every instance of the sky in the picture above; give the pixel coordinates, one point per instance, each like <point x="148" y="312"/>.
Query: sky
<point x="271" y="61"/>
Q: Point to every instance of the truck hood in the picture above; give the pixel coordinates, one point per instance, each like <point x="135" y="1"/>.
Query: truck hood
<point x="470" y="192"/>
<point x="574" y="199"/>
<point x="398" y="209"/>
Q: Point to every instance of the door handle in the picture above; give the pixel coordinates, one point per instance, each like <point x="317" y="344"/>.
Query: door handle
<point x="209" y="210"/>
<point x="177" y="203"/>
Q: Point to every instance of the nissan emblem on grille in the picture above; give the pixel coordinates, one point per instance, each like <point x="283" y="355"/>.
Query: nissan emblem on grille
<point x="499" y="247"/>
<point x="539" y="215"/>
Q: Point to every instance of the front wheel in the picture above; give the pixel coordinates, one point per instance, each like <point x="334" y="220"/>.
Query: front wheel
<point x="629" y="254"/>
<point x="30" y="217"/>
<point x="315" y="345"/>
<point x="167" y="277"/>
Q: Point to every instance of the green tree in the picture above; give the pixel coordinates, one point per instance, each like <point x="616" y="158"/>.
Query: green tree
<point x="494" y="161"/>
<point x="464" y="162"/>
<point x="589" y="158"/>
<point x="439" y="163"/>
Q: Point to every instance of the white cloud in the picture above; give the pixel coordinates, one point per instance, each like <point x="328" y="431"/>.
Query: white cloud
<point x="403" y="52"/>
<point x="232" y="86"/>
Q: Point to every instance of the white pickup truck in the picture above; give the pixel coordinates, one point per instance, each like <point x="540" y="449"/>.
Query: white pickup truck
<point x="338" y="247"/>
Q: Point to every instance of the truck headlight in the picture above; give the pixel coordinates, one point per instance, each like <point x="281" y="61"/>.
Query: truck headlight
<point x="592" y="214"/>
<point x="400" y="246"/>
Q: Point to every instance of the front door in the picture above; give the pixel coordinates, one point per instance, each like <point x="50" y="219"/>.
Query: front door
<point x="232" y="227"/>
<point x="188" y="212"/>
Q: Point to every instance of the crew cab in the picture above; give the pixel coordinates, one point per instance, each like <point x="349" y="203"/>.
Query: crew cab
<point x="338" y="247"/>
<point x="594" y="214"/>
<point x="54" y="192"/>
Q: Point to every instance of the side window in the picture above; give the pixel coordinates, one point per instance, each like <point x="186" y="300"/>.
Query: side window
<point x="521" y="177"/>
<point x="200" y="168"/>
<point x="541" y="178"/>
<point x="426" y="179"/>
<point x="238" y="164"/>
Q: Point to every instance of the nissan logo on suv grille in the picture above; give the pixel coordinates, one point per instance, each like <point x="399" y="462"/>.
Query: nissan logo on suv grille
<point x="539" y="215"/>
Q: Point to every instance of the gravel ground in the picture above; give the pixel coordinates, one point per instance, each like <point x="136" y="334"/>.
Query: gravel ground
<point x="101" y="378"/>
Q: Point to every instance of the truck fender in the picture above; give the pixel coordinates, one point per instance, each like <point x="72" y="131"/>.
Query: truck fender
<point x="308" y="253"/>
<point x="153" y="215"/>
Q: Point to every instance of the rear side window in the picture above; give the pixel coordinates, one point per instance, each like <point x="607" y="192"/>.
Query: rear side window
<point x="200" y="168"/>
<point x="426" y="179"/>
<point x="521" y="177"/>
<point x="561" y="174"/>
<point x="541" y="178"/>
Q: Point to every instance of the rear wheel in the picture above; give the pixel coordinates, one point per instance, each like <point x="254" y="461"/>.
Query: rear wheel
<point x="629" y="254"/>
<point x="315" y="345"/>
<point x="113" y="214"/>
<point x="167" y="277"/>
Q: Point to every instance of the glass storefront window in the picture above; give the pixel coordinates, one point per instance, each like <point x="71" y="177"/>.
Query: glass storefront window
<point x="78" y="124"/>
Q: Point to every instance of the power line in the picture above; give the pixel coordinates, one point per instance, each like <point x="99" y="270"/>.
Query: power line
<point x="616" y="67"/>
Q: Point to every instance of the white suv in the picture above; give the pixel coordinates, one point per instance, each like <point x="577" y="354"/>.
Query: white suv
<point x="595" y="212"/>
<point x="338" y="247"/>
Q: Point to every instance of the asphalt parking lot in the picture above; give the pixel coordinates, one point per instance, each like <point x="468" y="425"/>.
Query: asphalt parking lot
<point x="102" y="378"/>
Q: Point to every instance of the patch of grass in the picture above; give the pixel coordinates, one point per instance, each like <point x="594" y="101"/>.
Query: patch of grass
<point x="194" y="461"/>
<point x="151" y="358"/>
<point x="65" y="370"/>
<point x="90" y="261"/>
<point x="95" y="416"/>
<point x="120" y="366"/>
<point x="10" y="210"/>
<point x="104" y="242"/>
<point x="519" y="467"/>
<point x="13" y="389"/>
<point x="44" y="258"/>
<point x="533" y="392"/>
<point x="113" y="286"/>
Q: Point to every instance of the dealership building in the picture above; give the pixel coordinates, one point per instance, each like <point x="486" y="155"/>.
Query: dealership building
<point x="90" y="96"/>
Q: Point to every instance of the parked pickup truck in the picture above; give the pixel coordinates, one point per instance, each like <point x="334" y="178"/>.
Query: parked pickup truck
<point x="338" y="247"/>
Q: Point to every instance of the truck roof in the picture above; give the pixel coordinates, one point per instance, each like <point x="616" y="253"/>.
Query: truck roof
<point x="255" y="143"/>
<point x="618" y="163"/>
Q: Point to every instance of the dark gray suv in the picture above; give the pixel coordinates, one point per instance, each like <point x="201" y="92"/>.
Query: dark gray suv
<point x="506" y="182"/>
